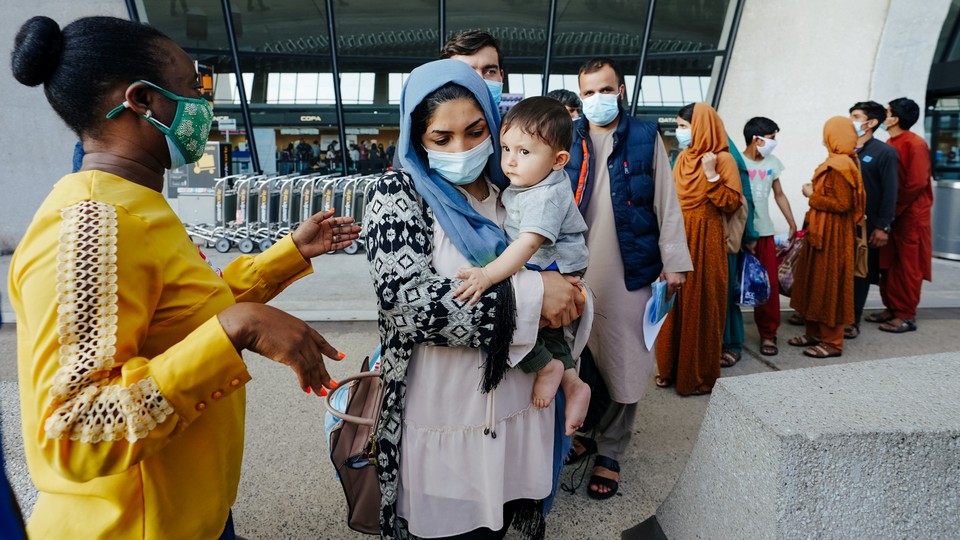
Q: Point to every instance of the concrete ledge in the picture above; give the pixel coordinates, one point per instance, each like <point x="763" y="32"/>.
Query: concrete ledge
<point x="866" y="450"/>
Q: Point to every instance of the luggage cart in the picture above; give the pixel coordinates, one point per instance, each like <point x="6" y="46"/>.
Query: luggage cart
<point x="354" y="202"/>
<point x="242" y="234"/>
<point x="267" y="221"/>
<point x="225" y="201"/>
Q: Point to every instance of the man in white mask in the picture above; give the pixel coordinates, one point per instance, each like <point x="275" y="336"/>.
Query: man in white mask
<point x="763" y="169"/>
<point x="624" y="188"/>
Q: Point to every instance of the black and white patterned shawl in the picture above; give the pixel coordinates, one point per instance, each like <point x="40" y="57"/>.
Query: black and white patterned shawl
<point x="417" y="306"/>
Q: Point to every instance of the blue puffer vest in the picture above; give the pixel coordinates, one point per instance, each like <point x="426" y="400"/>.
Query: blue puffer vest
<point x="631" y="190"/>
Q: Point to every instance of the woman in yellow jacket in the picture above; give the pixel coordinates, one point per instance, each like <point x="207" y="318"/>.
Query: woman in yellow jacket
<point x="131" y="377"/>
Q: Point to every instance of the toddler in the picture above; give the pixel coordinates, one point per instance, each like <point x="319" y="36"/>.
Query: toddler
<point x="545" y="230"/>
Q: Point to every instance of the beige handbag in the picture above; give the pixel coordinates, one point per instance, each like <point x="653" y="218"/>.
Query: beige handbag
<point x="353" y="447"/>
<point x="734" y="224"/>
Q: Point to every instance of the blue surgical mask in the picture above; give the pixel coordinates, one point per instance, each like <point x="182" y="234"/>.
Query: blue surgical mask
<point x="496" y="90"/>
<point x="884" y="126"/>
<point x="684" y="136"/>
<point x="461" y="168"/>
<point x="859" y="127"/>
<point x="601" y="109"/>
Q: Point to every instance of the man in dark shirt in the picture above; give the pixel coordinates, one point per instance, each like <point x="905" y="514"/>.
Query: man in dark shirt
<point x="878" y="165"/>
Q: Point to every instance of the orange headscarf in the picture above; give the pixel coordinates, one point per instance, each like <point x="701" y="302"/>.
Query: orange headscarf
<point x="840" y="138"/>
<point x="707" y="135"/>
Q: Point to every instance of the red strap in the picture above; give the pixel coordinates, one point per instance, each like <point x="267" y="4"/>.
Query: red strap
<point x="583" y="173"/>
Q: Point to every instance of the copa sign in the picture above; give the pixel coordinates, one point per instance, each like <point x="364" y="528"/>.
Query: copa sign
<point x="310" y="118"/>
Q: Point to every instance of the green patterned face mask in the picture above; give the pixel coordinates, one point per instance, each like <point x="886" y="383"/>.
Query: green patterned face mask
<point x="188" y="133"/>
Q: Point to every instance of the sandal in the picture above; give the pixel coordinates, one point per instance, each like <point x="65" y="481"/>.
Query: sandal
<point x="822" y="350"/>
<point x="906" y="325"/>
<point x="879" y="317"/>
<point x="803" y="341"/>
<point x="662" y="382"/>
<point x="613" y="485"/>
<point x="851" y="332"/>
<point x="796" y="320"/>
<point x="729" y="358"/>
<point x="768" y="347"/>
<point x="589" y="448"/>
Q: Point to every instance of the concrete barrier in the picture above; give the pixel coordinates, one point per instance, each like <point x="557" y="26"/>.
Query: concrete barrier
<point x="865" y="450"/>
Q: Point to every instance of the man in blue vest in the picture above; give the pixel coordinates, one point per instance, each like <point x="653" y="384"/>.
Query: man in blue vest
<point x="624" y="188"/>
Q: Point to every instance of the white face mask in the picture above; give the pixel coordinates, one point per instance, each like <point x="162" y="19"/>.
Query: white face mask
<point x="684" y="136"/>
<point x="768" y="146"/>
<point x="601" y="109"/>
<point x="461" y="168"/>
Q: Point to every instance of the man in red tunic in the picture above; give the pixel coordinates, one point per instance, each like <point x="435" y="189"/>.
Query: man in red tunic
<point x="907" y="257"/>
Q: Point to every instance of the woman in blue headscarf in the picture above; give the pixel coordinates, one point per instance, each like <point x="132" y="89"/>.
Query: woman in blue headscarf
<point x="460" y="448"/>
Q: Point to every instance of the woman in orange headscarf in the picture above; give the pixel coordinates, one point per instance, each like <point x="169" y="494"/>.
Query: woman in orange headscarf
<point x="708" y="186"/>
<point x="823" y="278"/>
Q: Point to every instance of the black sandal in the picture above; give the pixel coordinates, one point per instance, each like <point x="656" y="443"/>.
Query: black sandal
<point x="589" y="448"/>
<point x="769" y="349"/>
<point x="613" y="485"/>
<point x="906" y="325"/>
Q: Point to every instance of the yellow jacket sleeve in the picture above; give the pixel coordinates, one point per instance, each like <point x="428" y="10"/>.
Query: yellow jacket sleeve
<point x="260" y="278"/>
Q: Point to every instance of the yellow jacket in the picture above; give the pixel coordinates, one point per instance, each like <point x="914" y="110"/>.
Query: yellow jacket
<point x="132" y="395"/>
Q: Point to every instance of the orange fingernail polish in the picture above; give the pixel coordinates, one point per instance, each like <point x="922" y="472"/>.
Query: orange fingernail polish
<point x="341" y="355"/>
<point x="308" y="390"/>
<point x="323" y="391"/>
<point x="333" y="384"/>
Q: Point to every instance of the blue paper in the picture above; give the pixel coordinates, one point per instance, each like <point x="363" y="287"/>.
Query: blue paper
<point x="661" y="305"/>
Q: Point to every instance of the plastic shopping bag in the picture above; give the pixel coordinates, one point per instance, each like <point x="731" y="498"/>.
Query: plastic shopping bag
<point x="754" y="282"/>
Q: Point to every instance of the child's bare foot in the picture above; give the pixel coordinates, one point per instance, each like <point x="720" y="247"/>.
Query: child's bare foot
<point x="577" y="393"/>
<point x="548" y="380"/>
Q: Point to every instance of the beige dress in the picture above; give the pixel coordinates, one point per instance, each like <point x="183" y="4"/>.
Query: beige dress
<point x="617" y="337"/>
<point x="453" y="477"/>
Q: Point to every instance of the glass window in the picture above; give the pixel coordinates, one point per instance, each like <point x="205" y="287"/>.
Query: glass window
<point x="383" y="36"/>
<point x="688" y="25"/>
<point x="191" y="23"/>
<point x="521" y="28"/>
<point x="611" y="28"/>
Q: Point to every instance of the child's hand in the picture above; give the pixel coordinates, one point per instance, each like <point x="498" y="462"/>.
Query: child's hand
<point x="475" y="282"/>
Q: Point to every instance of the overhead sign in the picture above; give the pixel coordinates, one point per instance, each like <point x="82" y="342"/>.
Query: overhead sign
<point x="227" y="125"/>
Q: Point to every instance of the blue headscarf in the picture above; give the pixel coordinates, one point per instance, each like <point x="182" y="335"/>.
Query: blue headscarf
<point x="476" y="237"/>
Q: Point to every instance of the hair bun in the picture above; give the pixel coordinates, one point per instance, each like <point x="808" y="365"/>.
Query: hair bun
<point x="36" y="51"/>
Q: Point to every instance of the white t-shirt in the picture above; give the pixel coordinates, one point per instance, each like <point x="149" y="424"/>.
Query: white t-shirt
<point x="762" y="174"/>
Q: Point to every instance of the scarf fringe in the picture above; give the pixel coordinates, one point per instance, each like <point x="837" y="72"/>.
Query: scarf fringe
<point x="504" y="324"/>
<point x="529" y="520"/>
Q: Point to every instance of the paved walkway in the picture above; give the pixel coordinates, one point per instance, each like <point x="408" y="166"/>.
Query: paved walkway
<point x="288" y="490"/>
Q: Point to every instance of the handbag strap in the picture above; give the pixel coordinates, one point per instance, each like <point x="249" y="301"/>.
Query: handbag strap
<point x="348" y="417"/>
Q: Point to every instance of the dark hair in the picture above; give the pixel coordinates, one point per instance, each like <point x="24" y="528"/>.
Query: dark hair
<point x="424" y="112"/>
<point x="543" y="117"/>
<point x="81" y="63"/>
<point x="469" y="42"/>
<point x="566" y="97"/>
<point x="873" y="111"/>
<point x="686" y="112"/>
<point x="596" y="64"/>
<point x="758" y="126"/>
<point x="906" y="111"/>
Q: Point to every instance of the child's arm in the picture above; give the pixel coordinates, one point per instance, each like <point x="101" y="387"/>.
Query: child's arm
<point x="784" y="205"/>
<point x="478" y="280"/>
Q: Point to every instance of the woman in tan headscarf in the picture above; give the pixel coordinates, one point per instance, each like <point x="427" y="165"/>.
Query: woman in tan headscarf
<point x="708" y="186"/>
<point x="823" y="279"/>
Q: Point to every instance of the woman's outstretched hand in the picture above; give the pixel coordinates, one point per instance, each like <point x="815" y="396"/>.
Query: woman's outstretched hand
<point x="282" y="338"/>
<point x="322" y="232"/>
